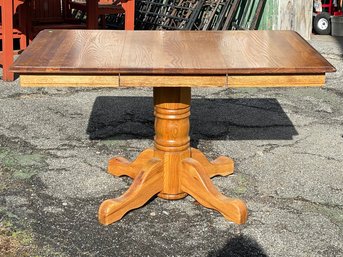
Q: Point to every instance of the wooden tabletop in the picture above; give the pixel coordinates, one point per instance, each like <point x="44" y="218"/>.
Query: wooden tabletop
<point x="104" y="58"/>
<point x="170" y="52"/>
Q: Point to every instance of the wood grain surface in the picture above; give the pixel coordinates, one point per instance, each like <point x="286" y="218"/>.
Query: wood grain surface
<point x="97" y="52"/>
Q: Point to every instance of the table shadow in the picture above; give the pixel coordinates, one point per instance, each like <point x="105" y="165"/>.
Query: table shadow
<point x="218" y="119"/>
<point x="239" y="246"/>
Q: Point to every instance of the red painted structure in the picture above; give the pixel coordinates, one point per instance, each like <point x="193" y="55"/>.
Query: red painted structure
<point x="8" y="32"/>
<point x="331" y="9"/>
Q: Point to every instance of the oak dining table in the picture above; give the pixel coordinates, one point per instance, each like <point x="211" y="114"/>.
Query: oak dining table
<point x="171" y="62"/>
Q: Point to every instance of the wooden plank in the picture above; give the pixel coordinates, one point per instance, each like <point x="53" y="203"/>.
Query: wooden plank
<point x="303" y="18"/>
<point x="172" y="81"/>
<point x="296" y="15"/>
<point x="269" y="19"/>
<point x="92" y="18"/>
<point x="276" y="81"/>
<point x="288" y="15"/>
<point x="68" y="80"/>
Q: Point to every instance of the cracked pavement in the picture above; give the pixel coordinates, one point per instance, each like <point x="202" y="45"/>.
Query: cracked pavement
<point x="287" y="144"/>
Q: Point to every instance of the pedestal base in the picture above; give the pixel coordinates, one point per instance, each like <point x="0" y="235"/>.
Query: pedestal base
<point x="172" y="170"/>
<point x="194" y="174"/>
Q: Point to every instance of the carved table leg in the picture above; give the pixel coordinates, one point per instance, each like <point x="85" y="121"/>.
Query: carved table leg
<point x="120" y="166"/>
<point x="222" y="166"/>
<point x="147" y="183"/>
<point x="195" y="182"/>
<point x="172" y="169"/>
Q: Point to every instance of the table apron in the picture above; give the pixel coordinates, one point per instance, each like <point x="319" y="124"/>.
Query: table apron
<point x="231" y="81"/>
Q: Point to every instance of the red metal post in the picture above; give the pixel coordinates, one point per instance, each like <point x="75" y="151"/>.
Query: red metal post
<point x="7" y="39"/>
<point x="129" y="7"/>
<point x="329" y="6"/>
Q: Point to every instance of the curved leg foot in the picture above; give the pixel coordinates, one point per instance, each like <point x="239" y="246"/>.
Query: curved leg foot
<point x="222" y="166"/>
<point x="120" y="166"/>
<point x="147" y="183"/>
<point x="195" y="181"/>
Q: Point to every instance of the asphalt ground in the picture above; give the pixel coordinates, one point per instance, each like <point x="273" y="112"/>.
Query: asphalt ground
<point x="287" y="144"/>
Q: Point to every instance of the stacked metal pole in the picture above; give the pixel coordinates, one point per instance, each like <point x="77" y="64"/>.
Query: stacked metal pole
<point x="197" y="14"/>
